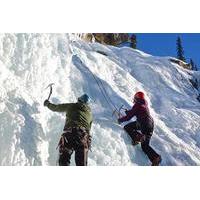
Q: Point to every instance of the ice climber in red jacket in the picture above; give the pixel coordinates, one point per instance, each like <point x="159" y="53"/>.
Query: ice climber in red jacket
<point x="143" y="124"/>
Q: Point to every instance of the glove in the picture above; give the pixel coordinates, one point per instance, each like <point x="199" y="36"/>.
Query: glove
<point x="46" y="102"/>
<point x="119" y="121"/>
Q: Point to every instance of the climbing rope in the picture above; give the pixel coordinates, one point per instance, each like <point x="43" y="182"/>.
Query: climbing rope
<point x="102" y="90"/>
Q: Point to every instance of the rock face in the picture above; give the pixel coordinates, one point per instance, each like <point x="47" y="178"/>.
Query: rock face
<point x="107" y="38"/>
<point x="181" y="63"/>
<point x="89" y="37"/>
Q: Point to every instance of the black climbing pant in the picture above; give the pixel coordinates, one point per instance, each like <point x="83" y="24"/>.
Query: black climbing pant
<point x="77" y="140"/>
<point x="131" y="129"/>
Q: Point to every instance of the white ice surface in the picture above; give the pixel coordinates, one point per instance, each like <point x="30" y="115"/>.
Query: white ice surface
<point x="29" y="132"/>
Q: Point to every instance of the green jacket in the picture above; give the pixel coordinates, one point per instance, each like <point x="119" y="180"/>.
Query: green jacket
<point x="77" y="114"/>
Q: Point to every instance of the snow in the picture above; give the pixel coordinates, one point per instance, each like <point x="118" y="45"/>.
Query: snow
<point x="29" y="132"/>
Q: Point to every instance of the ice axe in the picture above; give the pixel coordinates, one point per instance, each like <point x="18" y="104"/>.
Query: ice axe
<point x="117" y="112"/>
<point x="50" y="85"/>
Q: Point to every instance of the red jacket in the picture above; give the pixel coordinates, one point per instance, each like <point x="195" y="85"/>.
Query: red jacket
<point x="141" y="111"/>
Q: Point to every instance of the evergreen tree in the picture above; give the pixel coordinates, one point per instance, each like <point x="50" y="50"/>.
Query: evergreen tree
<point x="192" y="64"/>
<point x="179" y="48"/>
<point x="133" y="40"/>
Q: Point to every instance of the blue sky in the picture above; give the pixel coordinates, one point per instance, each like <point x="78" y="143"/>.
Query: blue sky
<point x="164" y="44"/>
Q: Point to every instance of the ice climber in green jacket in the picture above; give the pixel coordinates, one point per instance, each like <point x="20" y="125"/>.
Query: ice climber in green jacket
<point x="76" y="133"/>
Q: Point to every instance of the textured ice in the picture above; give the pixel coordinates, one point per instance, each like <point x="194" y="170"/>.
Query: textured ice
<point x="29" y="132"/>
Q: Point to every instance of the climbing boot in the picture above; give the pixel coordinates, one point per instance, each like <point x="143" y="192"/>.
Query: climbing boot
<point x="156" y="161"/>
